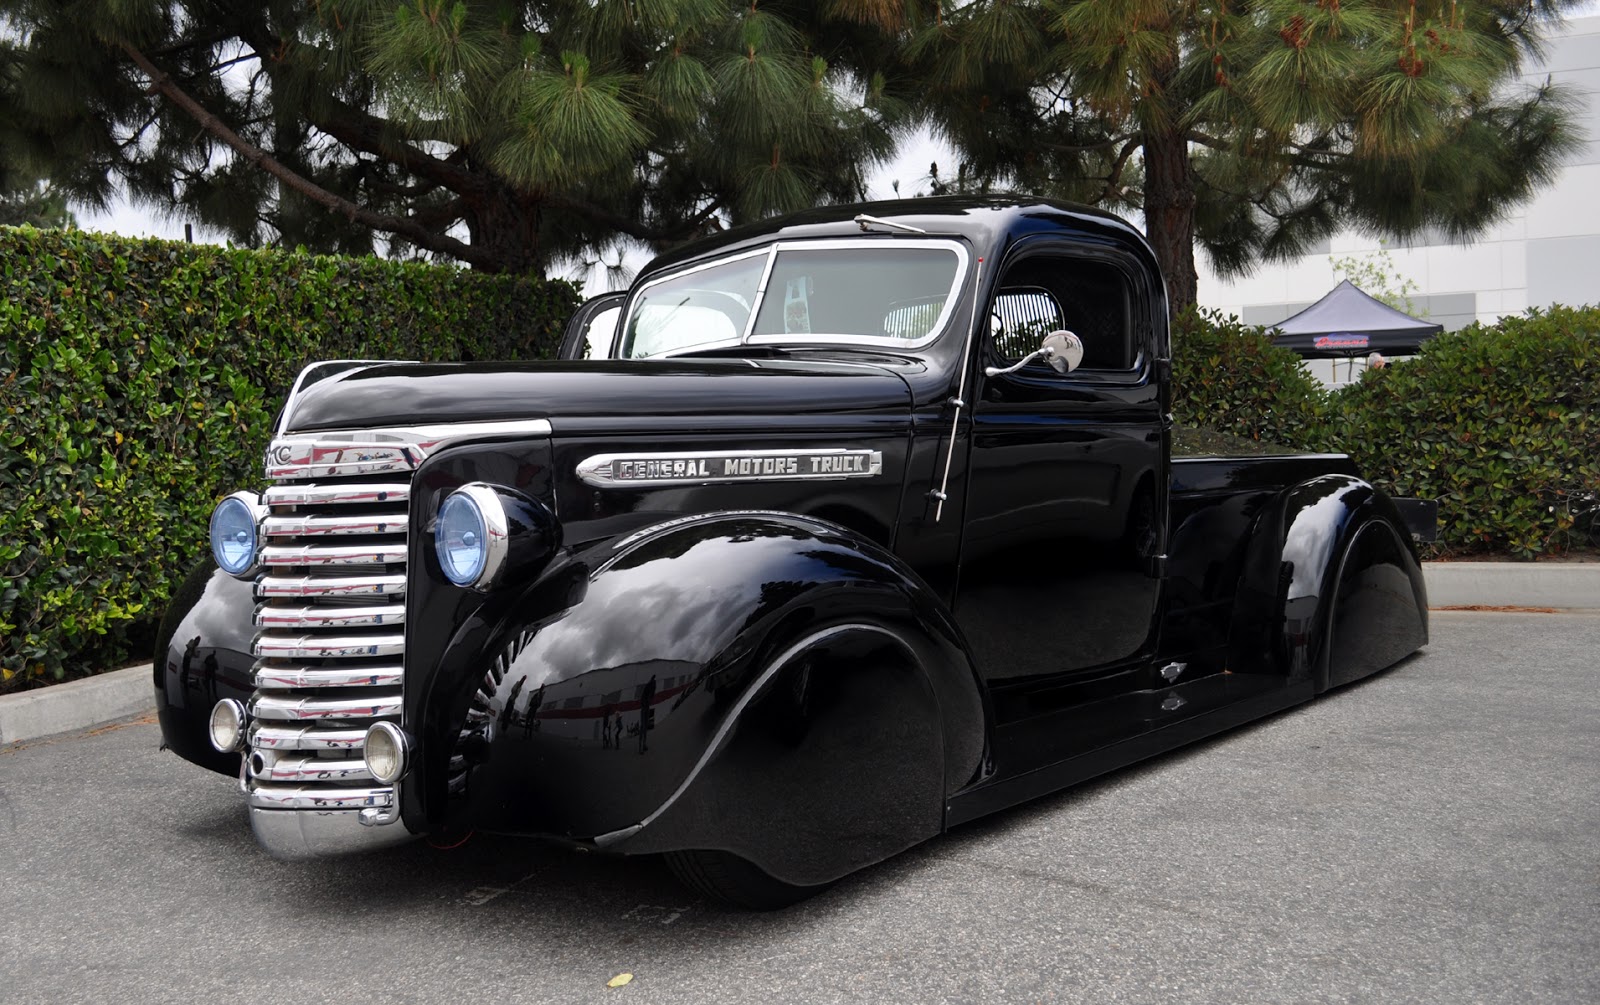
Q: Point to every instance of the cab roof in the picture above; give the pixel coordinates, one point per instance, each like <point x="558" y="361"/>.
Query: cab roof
<point x="988" y="223"/>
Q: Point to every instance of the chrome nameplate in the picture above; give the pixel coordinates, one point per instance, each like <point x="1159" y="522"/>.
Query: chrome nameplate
<point x="718" y="466"/>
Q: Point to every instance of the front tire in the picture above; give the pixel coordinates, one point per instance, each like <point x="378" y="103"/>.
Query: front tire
<point x="725" y="877"/>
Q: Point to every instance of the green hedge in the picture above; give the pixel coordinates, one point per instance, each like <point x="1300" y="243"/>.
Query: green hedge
<point x="1229" y="377"/>
<point x="138" y="381"/>
<point x="1499" y="423"/>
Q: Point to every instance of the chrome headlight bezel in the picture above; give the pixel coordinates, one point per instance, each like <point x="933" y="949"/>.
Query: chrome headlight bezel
<point x="249" y="507"/>
<point x="491" y="526"/>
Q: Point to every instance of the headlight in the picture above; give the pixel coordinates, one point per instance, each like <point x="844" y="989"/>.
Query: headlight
<point x="385" y="752"/>
<point x="233" y="533"/>
<point x="470" y="536"/>
<point x="484" y="532"/>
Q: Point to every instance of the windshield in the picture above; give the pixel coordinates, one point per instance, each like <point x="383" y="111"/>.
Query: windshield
<point x="876" y="292"/>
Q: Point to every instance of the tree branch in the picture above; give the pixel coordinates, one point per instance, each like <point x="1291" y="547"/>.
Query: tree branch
<point x="1085" y="148"/>
<point x="409" y="229"/>
<point x="235" y="61"/>
<point x="1303" y="155"/>
<point x="361" y="130"/>
<point x="1115" y="174"/>
<point x="631" y="227"/>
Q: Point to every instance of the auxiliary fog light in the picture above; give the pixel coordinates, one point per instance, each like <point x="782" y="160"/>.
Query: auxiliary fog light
<point x="234" y="534"/>
<point x="386" y="752"/>
<point x="227" y="726"/>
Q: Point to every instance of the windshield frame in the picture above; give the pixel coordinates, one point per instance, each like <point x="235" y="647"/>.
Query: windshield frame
<point x="771" y="252"/>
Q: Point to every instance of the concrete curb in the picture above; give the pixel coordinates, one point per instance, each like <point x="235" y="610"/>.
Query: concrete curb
<point x="77" y="704"/>
<point x="1565" y="585"/>
<point x="117" y="695"/>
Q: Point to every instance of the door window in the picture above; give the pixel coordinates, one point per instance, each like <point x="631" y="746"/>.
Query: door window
<point x="1045" y="293"/>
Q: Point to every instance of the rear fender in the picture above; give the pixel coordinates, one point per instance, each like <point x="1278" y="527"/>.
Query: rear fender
<point x="639" y="677"/>
<point x="1331" y="590"/>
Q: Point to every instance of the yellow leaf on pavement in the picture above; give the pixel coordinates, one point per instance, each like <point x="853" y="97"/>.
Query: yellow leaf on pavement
<point x="619" y="980"/>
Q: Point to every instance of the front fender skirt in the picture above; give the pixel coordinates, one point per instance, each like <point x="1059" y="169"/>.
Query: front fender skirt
<point x="727" y="682"/>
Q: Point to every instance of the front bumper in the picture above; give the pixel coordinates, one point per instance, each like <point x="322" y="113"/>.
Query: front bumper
<point x="307" y="832"/>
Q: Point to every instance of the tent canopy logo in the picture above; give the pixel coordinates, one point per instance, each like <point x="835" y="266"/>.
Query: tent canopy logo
<point x="1342" y="340"/>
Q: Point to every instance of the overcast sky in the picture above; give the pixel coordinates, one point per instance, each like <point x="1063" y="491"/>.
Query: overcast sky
<point x="909" y="168"/>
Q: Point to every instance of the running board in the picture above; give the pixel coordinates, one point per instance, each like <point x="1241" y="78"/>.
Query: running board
<point x="989" y="797"/>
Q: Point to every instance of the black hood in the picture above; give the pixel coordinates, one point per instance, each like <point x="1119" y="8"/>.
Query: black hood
<point x="392" y="394"/>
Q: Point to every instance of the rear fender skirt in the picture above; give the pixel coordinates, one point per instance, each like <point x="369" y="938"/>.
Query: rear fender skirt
<point x="1328" y="542"/>
<point x="1380" y="612"/>
<point x="202" y="656"/>
<point x="583" y="705"/>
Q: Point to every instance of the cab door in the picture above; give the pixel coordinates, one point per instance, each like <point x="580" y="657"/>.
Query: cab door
<point x="1066" y="505"/>
<point x="589" y="333"/>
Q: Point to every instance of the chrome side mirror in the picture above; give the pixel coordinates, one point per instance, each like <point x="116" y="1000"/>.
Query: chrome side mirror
<point x="1061" y="349"/>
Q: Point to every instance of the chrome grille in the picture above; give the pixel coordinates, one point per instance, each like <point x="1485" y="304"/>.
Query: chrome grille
<point x="330" y="645"/>
<point x="330" y="620"/>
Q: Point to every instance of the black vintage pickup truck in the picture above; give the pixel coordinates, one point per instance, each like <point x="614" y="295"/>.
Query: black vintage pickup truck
<point x="830" y="534"/>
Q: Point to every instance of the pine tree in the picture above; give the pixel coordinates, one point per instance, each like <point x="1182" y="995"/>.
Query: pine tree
<point x="1252" y="128"/>
<point x="509" y="135"/>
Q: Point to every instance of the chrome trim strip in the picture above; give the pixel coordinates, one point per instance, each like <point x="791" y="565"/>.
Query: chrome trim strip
<point x="327" y="554"/>
<point x="280" y="709"/>
<point x="302" y="768"/>
<point x="269" y="616"/>
<point x="332" y="526"/>
<point x="963" y="258"/>
<point x="269" y="676"/>
<point x="299" y="798"/>
<point x="290" y="458"/>
<point x="317" y="586"/>
<point x="315" y="647"/>
<point x="335" y="495"/>
<point x="306" y="738"/>
<point x="960" y="400"/>
<point x="761" y="293"/>
<point x="716" y="467"/>
<point x="396" y="448"/>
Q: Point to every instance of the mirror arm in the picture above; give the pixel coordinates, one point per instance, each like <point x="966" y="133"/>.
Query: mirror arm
<point x="1048" y="352"/>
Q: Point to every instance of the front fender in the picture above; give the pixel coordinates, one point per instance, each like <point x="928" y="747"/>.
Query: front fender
<point x="1332" y="589"/>
<point x="202" y="656"/>
<point x="610" y="696"/>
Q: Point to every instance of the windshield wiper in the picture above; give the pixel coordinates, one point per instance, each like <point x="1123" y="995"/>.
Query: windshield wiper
<point x="732" y="350"/>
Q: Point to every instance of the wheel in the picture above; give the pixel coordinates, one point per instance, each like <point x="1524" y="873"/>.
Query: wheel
<point x="725" y="877"/>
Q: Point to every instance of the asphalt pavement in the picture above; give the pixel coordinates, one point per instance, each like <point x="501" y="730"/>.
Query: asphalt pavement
<point x="1430" y="835"/>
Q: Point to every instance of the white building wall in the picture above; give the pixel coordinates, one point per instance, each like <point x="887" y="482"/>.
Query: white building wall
<point x="1545" y="252"/>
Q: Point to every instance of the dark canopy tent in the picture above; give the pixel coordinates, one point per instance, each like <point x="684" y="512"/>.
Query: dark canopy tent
<point x="1347" y="322"/>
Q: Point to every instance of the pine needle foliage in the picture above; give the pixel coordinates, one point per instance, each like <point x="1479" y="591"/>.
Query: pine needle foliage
<point x="1253" y="128"/>
<point x="509" y="134"/>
